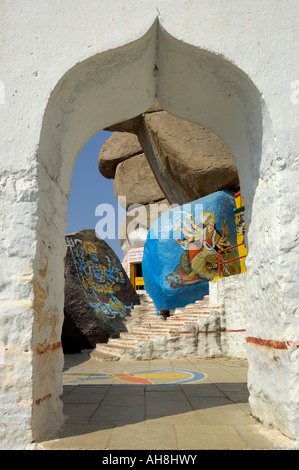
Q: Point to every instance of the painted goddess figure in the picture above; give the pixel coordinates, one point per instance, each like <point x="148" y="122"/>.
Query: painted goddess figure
<point x="199" y="261"/>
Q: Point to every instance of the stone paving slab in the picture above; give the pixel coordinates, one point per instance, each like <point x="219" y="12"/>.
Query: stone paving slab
<point x="198" y="404"/>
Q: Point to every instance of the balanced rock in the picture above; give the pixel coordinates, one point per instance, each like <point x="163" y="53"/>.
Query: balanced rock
<point x="98" y="293"/>
<point x="182" y="161"/>
<point x="192" y="157"/>
<point x="133" y="125"/>
<point x="119" y="147"/>
<point x="135" y="181"/>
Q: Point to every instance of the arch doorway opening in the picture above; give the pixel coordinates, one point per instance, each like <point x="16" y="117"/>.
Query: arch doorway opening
<point x="112" y="88"/>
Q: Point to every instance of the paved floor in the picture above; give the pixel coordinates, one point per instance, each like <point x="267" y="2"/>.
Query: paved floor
<point x="187" y="404"/>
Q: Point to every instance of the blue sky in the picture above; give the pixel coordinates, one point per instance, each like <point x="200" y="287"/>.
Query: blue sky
<point x="89" y="189"/>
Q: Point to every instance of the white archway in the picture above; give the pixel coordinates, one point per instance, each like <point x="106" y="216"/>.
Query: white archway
<point x="192" y="84"/>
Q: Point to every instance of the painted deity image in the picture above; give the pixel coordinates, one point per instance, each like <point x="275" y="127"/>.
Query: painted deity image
<point x="97" y="278"/>
<point x="201" y="245"/>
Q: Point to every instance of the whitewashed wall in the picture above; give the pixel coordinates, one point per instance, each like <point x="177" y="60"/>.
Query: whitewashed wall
<point x="69" y="69"/>
<point x="229" y="294"/>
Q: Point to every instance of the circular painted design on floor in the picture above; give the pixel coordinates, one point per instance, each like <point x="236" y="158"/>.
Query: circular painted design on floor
<point x="130" y="376"/>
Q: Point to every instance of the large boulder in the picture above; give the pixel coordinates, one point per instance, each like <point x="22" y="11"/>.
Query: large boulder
<point x="133" y="125"/>
<point x="135" y="181"/>
<point x="157" y="157"/>
<point x="188" y="160"/>
<point x="116" y="149"/>
<point x="192" y="157"/>
<point x="98" y="293"/>
<point x="181" y="251"/>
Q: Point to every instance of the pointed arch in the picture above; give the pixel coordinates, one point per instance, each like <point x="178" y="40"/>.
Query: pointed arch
<point x="190" y="83"/>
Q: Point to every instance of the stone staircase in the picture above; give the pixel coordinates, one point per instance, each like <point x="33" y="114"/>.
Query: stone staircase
<point x="149" y="336"/>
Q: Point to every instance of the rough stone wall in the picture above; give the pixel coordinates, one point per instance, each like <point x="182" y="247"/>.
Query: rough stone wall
<point x="229" y="294"/>
<point x="230" y="66"/>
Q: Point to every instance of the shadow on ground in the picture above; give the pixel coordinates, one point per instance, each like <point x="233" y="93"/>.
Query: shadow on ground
<point x="163" y="404"/>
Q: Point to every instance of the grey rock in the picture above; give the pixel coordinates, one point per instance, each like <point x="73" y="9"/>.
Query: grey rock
<point x="135" y="181"/>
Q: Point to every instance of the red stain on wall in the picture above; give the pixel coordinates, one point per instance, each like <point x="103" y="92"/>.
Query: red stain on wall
<point x="49" y="348"/>
<point x="271" y="343"/>
<point x="40" y="400"/>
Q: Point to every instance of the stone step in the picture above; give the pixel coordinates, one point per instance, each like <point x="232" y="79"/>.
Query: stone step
<point x="135" y="313"/>
<point x="152" y="327"/>
<point x="145" y="303"/>
<point x="153" y="313"/>
<point x="150" y="330"/>
<point x="126" y="342"/>
<point x="103" y="356"/>
<point x="166" y="323"/>
<point x="138" y="336"/>
<point x="144" y="324"/>
<point x="143" y="308"/>
<point x="112" y="350"/>
<point x="174" y="320"/>
<point x="193" y="308"/>
<point x="190" y="314"/>
<point x="106" y="350"/>
<point x="138" y="318"/>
